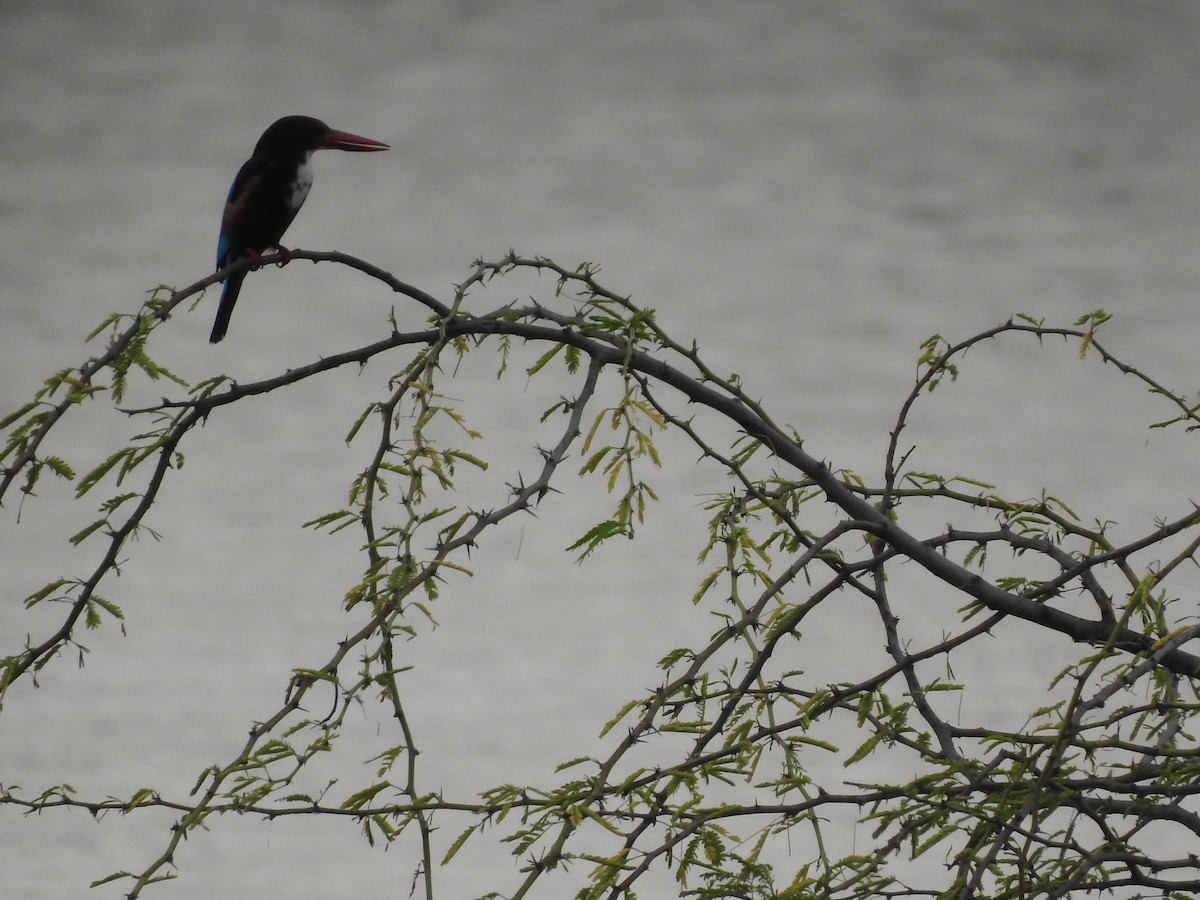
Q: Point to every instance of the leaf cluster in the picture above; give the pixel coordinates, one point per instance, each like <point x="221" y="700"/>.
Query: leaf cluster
<point x="779" y="758"/>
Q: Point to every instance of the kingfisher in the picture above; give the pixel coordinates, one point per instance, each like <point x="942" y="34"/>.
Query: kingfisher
<point x="268" y="192"/>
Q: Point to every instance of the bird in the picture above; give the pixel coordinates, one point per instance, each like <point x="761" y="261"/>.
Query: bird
<point x="267" y="193"/>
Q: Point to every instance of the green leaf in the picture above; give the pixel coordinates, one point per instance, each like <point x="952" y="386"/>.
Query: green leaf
<point x="91" y="478"/>
<point x="596" y="536"/>
<point x="78" y="537"/>
<point x="18" y="413"/>
<point x="458" y="842"/>
<point x="621" y="713"/>
<point x="864" y="750"/>
<point x="544" y="358"/>
<point x="42" y="593"/>
<point x="361" y="798"/>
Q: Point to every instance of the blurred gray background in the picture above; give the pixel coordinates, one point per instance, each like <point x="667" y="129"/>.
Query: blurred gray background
<point x="809" y="189"/>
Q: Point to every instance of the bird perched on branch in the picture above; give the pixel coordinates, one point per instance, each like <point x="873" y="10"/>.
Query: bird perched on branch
<point x="268" y="192"/>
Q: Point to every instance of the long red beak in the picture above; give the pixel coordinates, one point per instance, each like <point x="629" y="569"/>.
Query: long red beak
<point x="343" y="140"/>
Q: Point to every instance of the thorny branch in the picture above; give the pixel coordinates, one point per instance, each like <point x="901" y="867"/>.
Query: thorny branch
<point x="1055" y="808"/>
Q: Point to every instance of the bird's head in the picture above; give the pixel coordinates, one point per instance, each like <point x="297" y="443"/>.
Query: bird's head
<point x="304" y="134"/>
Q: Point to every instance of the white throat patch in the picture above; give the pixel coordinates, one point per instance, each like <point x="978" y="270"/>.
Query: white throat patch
<point x="302" y="185"/>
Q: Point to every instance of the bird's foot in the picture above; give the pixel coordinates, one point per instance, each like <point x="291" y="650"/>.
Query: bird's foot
<point x="279" y="256"/>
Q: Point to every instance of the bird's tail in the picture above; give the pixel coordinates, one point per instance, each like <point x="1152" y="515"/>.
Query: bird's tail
<point x="229" y="295"/>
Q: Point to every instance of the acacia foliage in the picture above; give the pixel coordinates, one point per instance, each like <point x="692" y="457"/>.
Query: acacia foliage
<point x="740" y="742"/>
